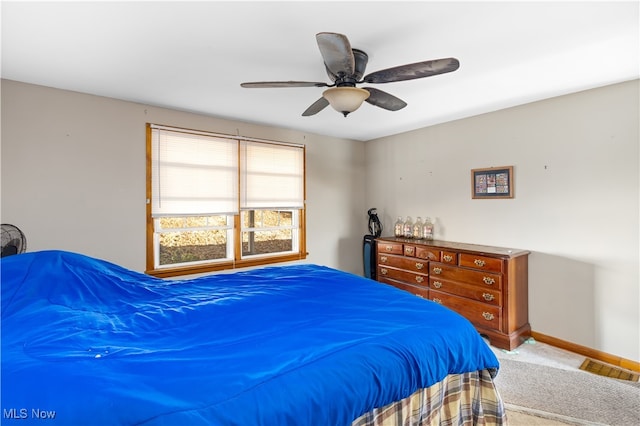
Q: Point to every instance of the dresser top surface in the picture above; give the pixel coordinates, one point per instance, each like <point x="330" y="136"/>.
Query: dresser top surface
<point x="462" y="247"/>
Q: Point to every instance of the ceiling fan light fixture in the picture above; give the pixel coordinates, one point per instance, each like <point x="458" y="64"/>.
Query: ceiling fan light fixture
<point x="345" y="99"/>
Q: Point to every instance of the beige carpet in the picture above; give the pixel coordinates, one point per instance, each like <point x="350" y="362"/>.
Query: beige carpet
<point x="539" y="384"/>
<point x="519" y="416"/>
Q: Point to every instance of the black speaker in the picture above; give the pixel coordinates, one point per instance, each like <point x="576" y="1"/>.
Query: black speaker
<point x="369" y="244"/>
<point x="369" y="256"/>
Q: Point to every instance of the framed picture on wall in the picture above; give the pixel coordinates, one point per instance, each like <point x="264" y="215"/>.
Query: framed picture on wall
<point x="493" y="182"/>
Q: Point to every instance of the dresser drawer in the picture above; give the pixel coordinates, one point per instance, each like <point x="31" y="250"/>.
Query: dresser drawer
<point x="390" y="248"/>
<point x="411" y="264"/>
<point x="483" y="263"/>
<point x="413" y="289"/>
<point x="409" y="250"/>
<point x="480" y="314"/>
<point x="489" y="296"/>
<point x="427" y="253"/>
<point x="449" y="257"/>
<point x="453" y="273"/>
<point x="400" y="275"/>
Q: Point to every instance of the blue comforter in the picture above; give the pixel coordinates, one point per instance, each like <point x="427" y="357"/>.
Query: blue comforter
<point x="85" y="342"/>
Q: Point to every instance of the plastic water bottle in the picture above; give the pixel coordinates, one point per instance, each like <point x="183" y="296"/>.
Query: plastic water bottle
<point x="398" y="228"/>
<point x="417" y="228"/>
<point x="408" y="228"/>
<point x="427" y="229"/>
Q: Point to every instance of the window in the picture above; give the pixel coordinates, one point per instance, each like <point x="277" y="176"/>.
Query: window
<point x="220" y="202"/>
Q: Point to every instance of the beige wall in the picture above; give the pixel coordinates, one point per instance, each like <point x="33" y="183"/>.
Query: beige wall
<point x="576" y="204"/>
<point x="73" y="175"/>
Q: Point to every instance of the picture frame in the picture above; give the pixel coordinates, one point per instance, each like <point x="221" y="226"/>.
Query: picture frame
<point x="492" y="182"/>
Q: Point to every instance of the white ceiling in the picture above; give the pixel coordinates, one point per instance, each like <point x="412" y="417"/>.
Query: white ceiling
<point x="193" y="55"/>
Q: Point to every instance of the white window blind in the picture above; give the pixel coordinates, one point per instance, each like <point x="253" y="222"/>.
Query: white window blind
<point x="193" y="174"/>
<point x="272" y="176"/>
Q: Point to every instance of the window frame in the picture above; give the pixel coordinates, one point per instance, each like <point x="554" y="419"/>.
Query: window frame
<point x="238" y="260"/>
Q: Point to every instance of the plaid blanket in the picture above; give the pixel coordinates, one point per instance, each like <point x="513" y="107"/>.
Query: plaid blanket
<point x="460" y="399"/>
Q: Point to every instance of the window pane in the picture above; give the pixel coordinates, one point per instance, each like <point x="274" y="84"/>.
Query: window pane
<point x="251" y="219"/>
<point x="192" y="221"/>
<point x="172" y="222"/>
<point x="192" y="246"/>
<point x="284" y="219"/>
<point x="268" y="232"/>
<point x="267" y="242"/>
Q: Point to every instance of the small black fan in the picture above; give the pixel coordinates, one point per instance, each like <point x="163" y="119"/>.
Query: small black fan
<point x="12" y="241"/>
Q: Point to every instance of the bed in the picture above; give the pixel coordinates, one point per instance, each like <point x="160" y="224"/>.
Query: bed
<point x="85" y="341"/>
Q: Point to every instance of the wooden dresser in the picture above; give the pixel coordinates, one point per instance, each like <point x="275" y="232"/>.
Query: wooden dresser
<point x="487" y="285"/>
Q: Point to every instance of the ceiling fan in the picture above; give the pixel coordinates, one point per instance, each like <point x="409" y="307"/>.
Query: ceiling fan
<point x="345" y="67"/>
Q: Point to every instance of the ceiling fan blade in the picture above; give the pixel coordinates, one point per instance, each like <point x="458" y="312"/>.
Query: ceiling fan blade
<point x="411" y="71"/>
<point x="263" y="84"/>
<point x="384" y="100"/>
<point x="316" y="107"/>
<point x="336" y="53"/>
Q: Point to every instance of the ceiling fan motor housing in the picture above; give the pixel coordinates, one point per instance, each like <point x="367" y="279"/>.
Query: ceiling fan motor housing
<point x="360" y="65"/>
<point x="361" y="60"/>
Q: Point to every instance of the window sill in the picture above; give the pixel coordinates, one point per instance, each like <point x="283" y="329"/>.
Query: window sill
<point x="212" y="267"/>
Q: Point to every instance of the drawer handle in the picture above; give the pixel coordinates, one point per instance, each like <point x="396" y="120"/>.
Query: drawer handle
<point x="419" y="295"/>
<point x="488" y="297"/>
<point x="479" y="262"/>
<point x="388" y="248"/>
<point x="383" y="271"/>
<point x="488" y="280"/>
<point x="408" y="251"/>
<point x="435" y="299"/>
<point x="419" y="265"/>
<point x="383" y="259"/>
<point x="488" y="316"/>
<point x="447" y="258"/>
<point x="437" y="270"/>
<point x="419" y="279"/>
<point x="437" y="284"/>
